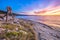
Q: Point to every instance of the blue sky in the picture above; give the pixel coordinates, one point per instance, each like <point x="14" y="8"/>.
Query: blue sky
<point x="25" y="5"/>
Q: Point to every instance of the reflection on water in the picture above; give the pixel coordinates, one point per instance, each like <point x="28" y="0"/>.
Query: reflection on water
<point x="48" y="19"/>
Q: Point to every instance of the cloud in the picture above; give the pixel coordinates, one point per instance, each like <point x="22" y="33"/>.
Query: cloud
<point x="52" y="9"/>
<point x="55" y="11"/>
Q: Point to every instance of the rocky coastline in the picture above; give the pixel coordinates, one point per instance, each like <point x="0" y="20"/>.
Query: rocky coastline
<point x="23" y="29"/>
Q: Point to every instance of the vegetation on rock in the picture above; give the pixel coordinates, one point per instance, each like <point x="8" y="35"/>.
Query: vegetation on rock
<point x="16" y="32"/>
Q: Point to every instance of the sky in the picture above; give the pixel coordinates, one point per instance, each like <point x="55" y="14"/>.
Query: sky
<point x="29" y="6"/>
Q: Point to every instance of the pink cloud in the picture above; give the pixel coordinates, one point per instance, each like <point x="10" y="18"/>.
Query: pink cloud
<point x="54" y="5"/>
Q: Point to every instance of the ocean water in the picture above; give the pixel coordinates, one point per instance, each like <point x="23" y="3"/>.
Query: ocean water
<point x="47" y="19"/>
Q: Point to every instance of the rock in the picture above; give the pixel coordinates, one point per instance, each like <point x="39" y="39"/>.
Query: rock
<point x="45" y="32"/>
<point x="1" y="29"/>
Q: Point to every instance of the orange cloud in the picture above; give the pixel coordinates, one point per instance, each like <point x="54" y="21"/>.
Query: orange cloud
<point x="42" y="12"/>
<point x="49" y="11"/>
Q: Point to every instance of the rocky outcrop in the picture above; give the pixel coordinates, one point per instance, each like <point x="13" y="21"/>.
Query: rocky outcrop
<point x="46" y="32"/>
<point x="41" y="31"/>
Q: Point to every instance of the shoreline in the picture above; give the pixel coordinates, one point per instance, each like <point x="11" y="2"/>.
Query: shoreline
<point x="40" y="30"/>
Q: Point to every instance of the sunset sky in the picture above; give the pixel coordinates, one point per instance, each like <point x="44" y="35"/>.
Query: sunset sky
<point x="32" y="7"/>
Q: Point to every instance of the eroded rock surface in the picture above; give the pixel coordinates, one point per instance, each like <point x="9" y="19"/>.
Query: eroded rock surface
<point x="46" y="32"/>
<point x="43" y="31"/>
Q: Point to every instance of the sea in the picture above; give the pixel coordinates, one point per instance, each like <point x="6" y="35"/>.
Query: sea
<point x="48" y="19"/>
